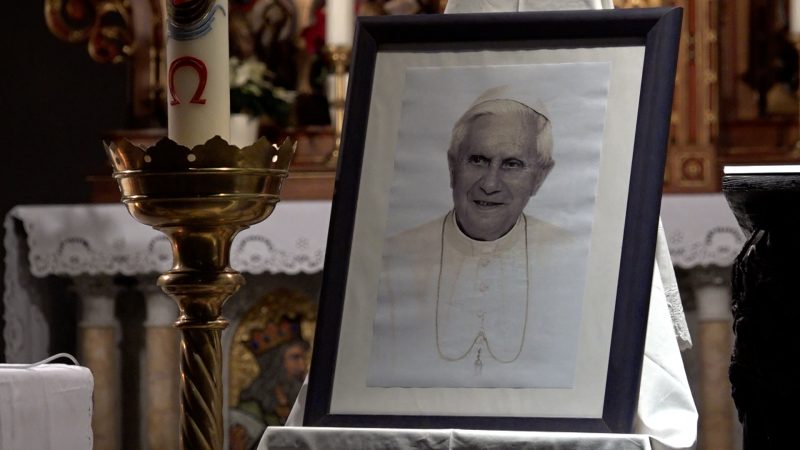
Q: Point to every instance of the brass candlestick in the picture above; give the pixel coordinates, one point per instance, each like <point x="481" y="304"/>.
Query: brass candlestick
<point x="795" y="38"/>
<point x="339" y="57"/>
<point x="200" y="198"/>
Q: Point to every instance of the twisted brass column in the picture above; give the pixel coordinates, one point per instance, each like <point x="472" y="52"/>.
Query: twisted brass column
<point x="200" y="281"/>
<point x="201" y="389"/>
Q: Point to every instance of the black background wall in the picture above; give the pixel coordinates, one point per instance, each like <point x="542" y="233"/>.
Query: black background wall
<point x="55" y="103"/>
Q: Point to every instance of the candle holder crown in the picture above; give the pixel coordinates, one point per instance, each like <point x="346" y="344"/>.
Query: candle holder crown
<point x="213" y="184"/>
<point x="168" y="155"/>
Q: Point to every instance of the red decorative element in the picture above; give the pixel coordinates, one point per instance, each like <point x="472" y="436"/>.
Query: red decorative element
<point x="242" y="5"/>
<point x="314" y="34"/>
<point x="202" y="73"/>
<point x="179" y="2"/>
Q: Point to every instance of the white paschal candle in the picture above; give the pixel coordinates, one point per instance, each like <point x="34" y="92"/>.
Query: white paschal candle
<point x="339" y="19"/>
<point x="198" y="71"/>
<point x="794" y="16"/>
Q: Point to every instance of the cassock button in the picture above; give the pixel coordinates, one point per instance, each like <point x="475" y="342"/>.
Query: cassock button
<point x="484" y="262"/>
<point x="483" y="287"/>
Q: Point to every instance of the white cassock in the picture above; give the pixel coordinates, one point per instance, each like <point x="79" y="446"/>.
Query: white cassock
<point x="456" y="312"/>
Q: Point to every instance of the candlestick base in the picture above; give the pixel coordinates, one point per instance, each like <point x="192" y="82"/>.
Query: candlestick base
<point x="200" y="198"/>
<point x="795" y="38"/>
<point x="339" y="57"/>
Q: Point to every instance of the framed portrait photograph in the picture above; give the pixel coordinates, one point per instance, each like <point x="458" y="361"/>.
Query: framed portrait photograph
<point x="490" y="251"/>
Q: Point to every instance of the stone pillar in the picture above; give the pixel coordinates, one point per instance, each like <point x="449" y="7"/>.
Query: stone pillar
<point x="715" y="339"/>
<point x="97" y="343"/>
<point x="162" y="368"/>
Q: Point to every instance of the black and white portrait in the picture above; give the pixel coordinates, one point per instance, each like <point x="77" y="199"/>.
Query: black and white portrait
<point x="490" y="216"/>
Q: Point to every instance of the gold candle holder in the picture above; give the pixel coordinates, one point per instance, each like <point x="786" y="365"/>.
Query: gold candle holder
<point x="200" y="198"/>
<point x="339" y="57"/>
<point x="795" y="38"/>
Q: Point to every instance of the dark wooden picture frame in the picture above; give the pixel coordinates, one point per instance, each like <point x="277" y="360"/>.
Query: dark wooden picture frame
<point x="657" y="31"/>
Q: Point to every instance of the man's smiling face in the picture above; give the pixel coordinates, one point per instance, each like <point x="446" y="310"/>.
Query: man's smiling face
<point x="494" y="175"/>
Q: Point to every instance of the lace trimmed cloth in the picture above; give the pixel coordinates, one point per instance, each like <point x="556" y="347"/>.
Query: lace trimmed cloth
<point x="701" y="230"/>
<point x="103" y="239"/>
<point x="74" y="240"/>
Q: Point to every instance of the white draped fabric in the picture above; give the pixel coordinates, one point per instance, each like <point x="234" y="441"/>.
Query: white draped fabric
<point x="375" y="439"/>
<point x="46" y="407"/>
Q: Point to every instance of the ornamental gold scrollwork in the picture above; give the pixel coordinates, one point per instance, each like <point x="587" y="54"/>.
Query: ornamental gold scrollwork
<point x="105" y="25"/>
<point x="638" y="3"/>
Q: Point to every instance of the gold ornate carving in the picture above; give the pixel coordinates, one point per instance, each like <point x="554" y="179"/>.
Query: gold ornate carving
<point x="691" y="161"/>
<point x="692" y="169"/>
<point x="695" y="118"/>
<point x="105" y="24"/>
<point x="638" y="3"/>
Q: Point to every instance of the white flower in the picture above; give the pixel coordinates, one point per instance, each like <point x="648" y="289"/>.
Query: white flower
<point x="249" y="71"/>
<point x="284" y="94"/>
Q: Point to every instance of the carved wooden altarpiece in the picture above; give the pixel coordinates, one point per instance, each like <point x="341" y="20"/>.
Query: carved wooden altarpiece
<point x="732" y="104"/>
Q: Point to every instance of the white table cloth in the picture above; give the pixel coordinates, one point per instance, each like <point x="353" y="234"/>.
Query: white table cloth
<point x="46" y="407"/>
<point x="381" y="439"/>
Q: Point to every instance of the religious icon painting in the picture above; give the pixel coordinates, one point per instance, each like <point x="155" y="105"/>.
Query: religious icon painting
<point x="269" y="360"/>
<point x="493" y="230"/>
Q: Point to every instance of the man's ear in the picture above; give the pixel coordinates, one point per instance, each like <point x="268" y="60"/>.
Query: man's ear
<point x="451" y="163"/>
<point x="542" y="170"/>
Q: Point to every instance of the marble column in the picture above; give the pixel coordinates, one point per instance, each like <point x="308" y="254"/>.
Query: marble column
<point x="712" y="291"/>
<point x="162" y="371"/>
<point x="97" y="343"/>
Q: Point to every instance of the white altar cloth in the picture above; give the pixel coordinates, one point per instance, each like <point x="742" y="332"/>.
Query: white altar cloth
<point x="73" y="240"/>
<point x="701" y="230"/>
<point x="46" y="407"/>
<point x="105" y="239"/>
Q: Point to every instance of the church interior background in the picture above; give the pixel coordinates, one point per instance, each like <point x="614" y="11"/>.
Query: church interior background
<point x="736" y="101"/>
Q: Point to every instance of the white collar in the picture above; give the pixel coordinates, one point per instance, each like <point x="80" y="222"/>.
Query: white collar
<point x="453" y="235"/>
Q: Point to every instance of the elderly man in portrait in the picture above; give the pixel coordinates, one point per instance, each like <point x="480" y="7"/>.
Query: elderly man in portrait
<point x="468" y="299"/>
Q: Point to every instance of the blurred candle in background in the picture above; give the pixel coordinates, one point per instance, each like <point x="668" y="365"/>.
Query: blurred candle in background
<point x="198" y="71"/>
<point x="794" y="16"/>
<point x="339" y="20"/>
